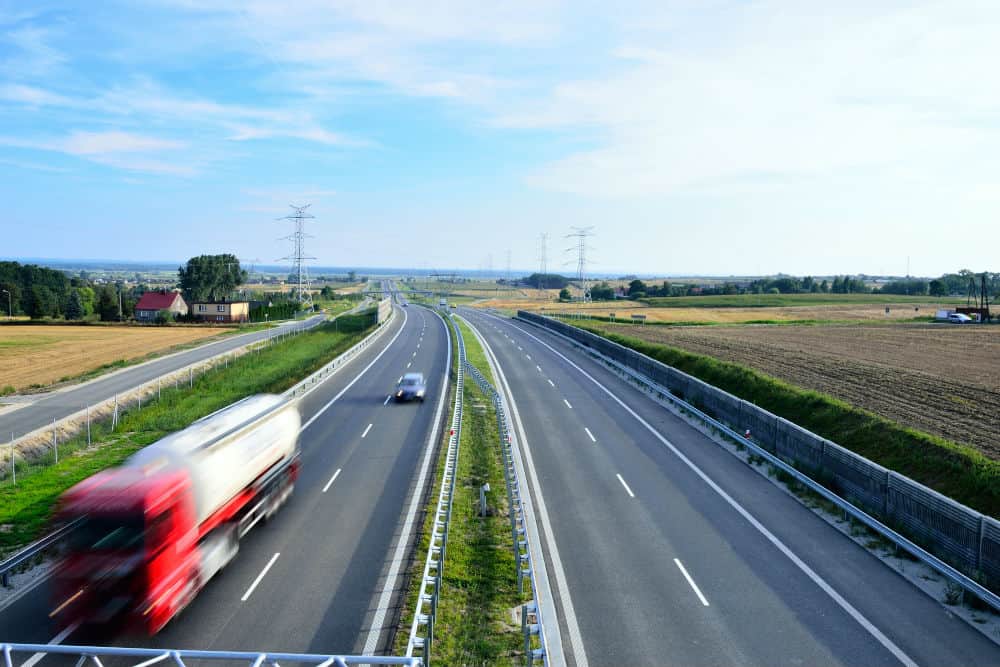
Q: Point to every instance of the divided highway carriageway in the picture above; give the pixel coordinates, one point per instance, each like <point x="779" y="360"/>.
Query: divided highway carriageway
<point x="664" y="549"/>
<point x="322" y="577"/>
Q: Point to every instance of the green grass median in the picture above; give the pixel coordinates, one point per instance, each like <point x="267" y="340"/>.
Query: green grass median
<point x="475" y="624"/>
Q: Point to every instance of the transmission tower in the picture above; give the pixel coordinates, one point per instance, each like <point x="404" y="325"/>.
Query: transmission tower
<point x="581" y="248"/>
<point x="298" y="256"/>
<point x="507" y="277"/>
<point x="543" y="260"/>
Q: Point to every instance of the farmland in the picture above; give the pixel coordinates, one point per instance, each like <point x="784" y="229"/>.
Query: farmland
<point x="740" y="310"/>
<point x="44" y="354"/>
<point x="936" y="378"/>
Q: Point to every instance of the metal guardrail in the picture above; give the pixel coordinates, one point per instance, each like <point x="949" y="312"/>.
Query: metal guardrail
<point x="430" y="583"/>
<point x="34" y="549"/>
<point x="519" y="535"/>
<point x="145" y="657"/>
<point x="849" y="510"/>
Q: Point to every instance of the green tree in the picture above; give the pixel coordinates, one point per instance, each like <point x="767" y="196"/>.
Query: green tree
<point x="564" y="295"/>
<point x="87" y="299"/>
<point x="635" y="287"/>
<point x="211" y="277"/>
<point x="41" y="302"/>
<point x="937" y="288"/>
<point x="107" y="303"/>
<point x="74" y="306"/>
<point x="602" y="292"/>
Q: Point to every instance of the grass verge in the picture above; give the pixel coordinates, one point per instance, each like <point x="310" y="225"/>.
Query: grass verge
<point x="780" y="300"/>
<point x="952" y="469"/>
<point x="475" y="624"/>
<point x="26" y="507"/>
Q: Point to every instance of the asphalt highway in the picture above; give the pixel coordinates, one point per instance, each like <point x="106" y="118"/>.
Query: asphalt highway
<point x="64" y="402"/>
<point x="314" y="578"/>
<point x="664" y="549"/>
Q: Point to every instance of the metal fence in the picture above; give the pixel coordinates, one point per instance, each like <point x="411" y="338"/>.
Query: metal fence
<point x="958" y="542"/>
<point x="145" y="657"/>
<point x="424" y="616"/>
<point x="531" y="625"/>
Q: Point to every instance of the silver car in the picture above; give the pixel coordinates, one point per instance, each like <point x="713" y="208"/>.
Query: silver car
<point x="411" y="387"/>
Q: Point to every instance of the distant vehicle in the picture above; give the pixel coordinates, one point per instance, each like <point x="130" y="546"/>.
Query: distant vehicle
<point x="454" y="305"/>
<point x="411" y="387"/>
<point x="942" y="315"/>
<point x="443" y="302"/>
<point x="959" y="318"/>
<point x="153" y="531"/>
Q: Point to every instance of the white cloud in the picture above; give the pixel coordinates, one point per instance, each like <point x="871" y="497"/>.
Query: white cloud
<point x="121" y="150"/>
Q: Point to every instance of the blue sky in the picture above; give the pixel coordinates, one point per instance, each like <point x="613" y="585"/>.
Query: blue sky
<point x="695" y="137"/>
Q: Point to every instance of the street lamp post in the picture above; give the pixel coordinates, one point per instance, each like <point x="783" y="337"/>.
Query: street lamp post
<point x="10" y="308"/>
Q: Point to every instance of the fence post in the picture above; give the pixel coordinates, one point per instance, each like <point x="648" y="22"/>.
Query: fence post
<point x="159" y="382"/>
<point x="88" y="425"/>
<point x="139" y="406"/>
<point x="55" y="443"/>
<point x="114" y="415"/>
<point x="13" y="469"/>
<point x="190" y="377"/>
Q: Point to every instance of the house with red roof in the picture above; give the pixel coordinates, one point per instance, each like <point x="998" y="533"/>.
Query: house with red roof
<point x="152" y="303"/>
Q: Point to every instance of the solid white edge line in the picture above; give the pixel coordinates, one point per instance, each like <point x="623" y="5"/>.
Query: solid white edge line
<point x="371" y="643"/>
<point x="625" y="484"/>
<point x="690" y="581"/>
<point x="260" y="577"/>
<point x="356" y="377"/>
<point x="567" y="404"/>
<point x="771" y="537"/>
<point x="526" y="465"/>
<point x="327" y="487"/>
<point x="591" y="435"/>
<point x="58" y="639"/>
<point x="366" y="430"/>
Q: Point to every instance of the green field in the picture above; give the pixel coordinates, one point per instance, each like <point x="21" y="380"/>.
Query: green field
<point x="784" y="300"/>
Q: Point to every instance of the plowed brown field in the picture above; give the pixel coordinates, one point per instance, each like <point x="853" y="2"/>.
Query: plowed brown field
<point x="42" y="354"/>
<point x="939" y="378"/>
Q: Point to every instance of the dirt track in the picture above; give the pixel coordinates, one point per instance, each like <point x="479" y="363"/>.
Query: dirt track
<point x="938" y="378"/>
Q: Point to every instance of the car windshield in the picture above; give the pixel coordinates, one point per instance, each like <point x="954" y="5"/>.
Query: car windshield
<point x="409" y="382"/>
<point x="109" y="532"/>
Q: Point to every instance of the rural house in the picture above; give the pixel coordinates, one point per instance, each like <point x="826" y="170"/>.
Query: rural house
<point x="152" y="303"/>
<point x="221" y="311"/>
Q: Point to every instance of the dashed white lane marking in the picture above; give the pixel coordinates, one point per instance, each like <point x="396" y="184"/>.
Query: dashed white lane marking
<point x="529" y="357"/>
<point x="366" y="430"/>
<point x="538" y="367"/>
<point x="627" y="490"/>
<point x="408" y="364"/>
<point x="860" y="618"/>
<point x="414" y="354"/>
<point x="387" y="399"/>
<point x="567" y="404"/>
<point x="58" y="639"/>
<point x="591" y="435"/>
<point x="690" y="581"/>
<point x="260" y="577"/>
<point x="327" y="487"/>
<point x="552" y="383"/>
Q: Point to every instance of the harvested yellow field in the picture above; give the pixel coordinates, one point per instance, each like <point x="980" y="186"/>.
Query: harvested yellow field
<point x="625" y="309"/>
<point x="42" y="355"/>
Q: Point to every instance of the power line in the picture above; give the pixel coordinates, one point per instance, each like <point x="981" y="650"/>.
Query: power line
<point x="581" y="234"/>
<point x="298" y="256"/>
